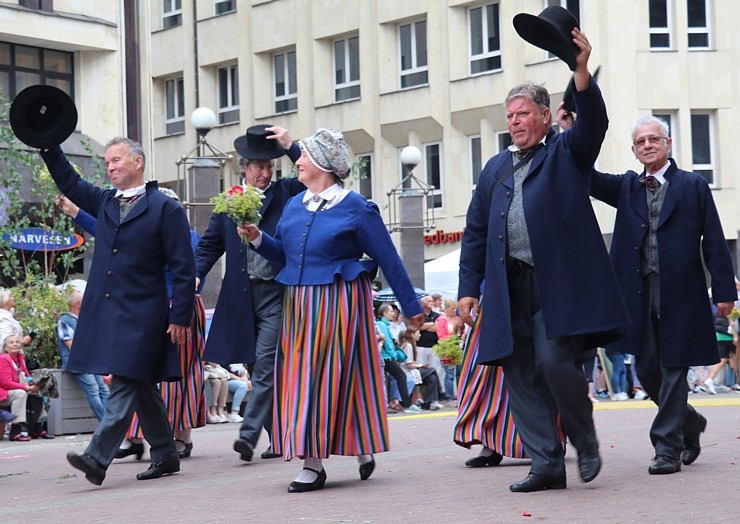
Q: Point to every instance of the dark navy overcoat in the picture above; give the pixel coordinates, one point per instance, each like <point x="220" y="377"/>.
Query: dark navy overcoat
<point x="125" y="311"/>
<point x="231" y="337"/>
<point x="688" y="228"/>
<point x="578" y="289"/>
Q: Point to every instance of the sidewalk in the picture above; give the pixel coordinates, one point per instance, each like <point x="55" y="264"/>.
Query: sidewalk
<point x="423" y="479"/>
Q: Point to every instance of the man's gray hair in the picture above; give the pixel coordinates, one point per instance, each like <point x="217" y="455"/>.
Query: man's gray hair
<point x="535" y="93"/>
<point x="74" y="299"/>
<point x="244" y="162"/>
<point x="133" y="146"/>
<point x="650" y="119"/>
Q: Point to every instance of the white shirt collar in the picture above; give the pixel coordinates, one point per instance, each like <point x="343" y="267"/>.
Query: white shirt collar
<point x="660" y="174"/>
<point x="514" y="148"/>
<point x="327" y="194"/>
<point x="131" y="192"/>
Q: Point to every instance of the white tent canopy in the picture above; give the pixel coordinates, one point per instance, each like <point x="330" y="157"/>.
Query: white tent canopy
<point x="441" y="275"/>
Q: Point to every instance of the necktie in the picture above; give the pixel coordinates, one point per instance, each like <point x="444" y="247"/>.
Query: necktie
<point x="650" y="182"/>
<point x="127" y="200"/>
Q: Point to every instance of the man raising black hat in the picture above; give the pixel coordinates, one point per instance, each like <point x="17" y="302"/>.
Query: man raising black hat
<point x="247" y="318"/>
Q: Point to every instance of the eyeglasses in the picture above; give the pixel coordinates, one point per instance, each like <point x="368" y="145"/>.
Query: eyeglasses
<point x="652" y="140"/>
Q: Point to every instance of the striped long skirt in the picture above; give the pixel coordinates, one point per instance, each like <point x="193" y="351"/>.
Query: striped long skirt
<point x="328" y="384"/>
<point x="185" y="400"/>
<point x="484" y="416"/>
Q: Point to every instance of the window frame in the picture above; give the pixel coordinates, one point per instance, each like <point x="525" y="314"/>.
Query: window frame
<point x="437" y="192"/>
<point x="503" y="140"/>
<point x="475" y="165"/>
<point x="414" y="68"/>
<point x="64" y="80"/>
<point x="365" y="186"/>
<point x="701" y="168"/>
<point x="669" y="117"/>
<point x="174" y="124"/>
<point x="349" y="84"/>
<point x="290" y="98"/>
<point x="699" y="30"/>
<point x="218" y="3"/>
<point x="486" y="54"/>
<point x="661" y="30"/>
<point x="173" y="17"/>
<point x="229" y="113"/>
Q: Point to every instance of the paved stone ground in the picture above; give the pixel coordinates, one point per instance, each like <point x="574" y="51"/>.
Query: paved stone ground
<point x="422" y="480"/>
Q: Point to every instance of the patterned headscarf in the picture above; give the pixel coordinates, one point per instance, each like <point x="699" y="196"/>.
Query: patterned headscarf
<point x="328" y="151"/>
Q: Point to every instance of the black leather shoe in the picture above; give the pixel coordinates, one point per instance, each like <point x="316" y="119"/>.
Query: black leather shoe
<point x="244" y="449"/>
<point x="589" y="464"/>
<point x="269" y="454"/>
<point x="302" y="487"/>
<point x="94" y="472"/>
<point x="134" y="449"/>
<point x="691" y="444"/>
<point x="664" y="466"/>
<point x="159" y="468"/>
<point x="482" y="462"/>
<point x="367" y="469"/>
<point x="187" y="449"/>
<point x="537" y="482"/>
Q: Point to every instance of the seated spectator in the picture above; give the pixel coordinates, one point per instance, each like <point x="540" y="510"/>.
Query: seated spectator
<point x="15" y="387"/>
<point x="218" y="379"/>
<point x="239" y="385"/>
<point x="390" y="354"/>
<point x="427" y="376"/>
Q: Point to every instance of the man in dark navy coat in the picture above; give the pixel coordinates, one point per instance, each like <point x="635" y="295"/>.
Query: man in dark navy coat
<point x="127" y="326"/>
<point x="666" y="225"/>
<point x="249" y="309"/>
<point x="549" y="291"/>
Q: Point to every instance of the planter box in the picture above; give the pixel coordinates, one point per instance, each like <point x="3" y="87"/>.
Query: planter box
<point x="70" y="413"/>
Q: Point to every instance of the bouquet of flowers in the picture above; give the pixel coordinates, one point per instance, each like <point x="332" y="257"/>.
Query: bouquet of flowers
<point x="241" y="203"/>
<point x="449" y="351"/>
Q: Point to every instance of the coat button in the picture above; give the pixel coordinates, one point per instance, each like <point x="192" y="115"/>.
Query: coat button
<point x="115" y="251"/>
<point x="244" y="270"/>
<point x="637" y="248"/>
<point x="241" y="251"/>
<point x="107" y="295"/>
<point x="110" y="272"/>
<point x="508" y="193"/>
<point x="245" y="290"/>
<point x="643" y="226"/>
<point x="501" y="260"/>
<point x="501" y="238"/>
<point x="299" y="266"/>
<point x="502" y="214"/>
<point x="300" y="256"/>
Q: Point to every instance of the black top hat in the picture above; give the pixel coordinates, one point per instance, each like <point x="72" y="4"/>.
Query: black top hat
<point x="551" y="31"/>
<point x="568" y="100"/>
<point x="256" y="146"/>
<point x="43" y="116"/>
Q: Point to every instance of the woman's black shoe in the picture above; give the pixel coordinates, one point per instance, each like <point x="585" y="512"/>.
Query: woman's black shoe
<point x="482" y="462"/>
<point x="185" y="453"/>
<point x="134" y="449"/>
<point x="367" y="469"/>
<point x="302" y="487"/>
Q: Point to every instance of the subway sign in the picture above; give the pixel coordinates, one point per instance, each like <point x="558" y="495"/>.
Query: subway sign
<point x="40" y="239"/>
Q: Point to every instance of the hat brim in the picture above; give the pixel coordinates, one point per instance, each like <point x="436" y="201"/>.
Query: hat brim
<point x="242" y="147"/>
<point x="544" y="34"/>
<point x="569" y="102"/>
<point x="42" y="116"/>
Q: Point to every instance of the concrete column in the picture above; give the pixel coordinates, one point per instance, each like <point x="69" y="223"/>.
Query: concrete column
<point x="203" y="183"/>
<point x="412" y="204"/>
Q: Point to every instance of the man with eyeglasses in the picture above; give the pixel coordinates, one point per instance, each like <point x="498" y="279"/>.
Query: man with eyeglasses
<point x="248" y="312"/>
<point x="666" y="224"/>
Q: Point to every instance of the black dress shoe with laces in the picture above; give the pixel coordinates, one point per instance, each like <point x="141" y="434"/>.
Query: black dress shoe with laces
<point x="483" y="462"/>
<point x="664" y="466"/>
<point x="537" y="482"/>
<point x="159" y="468"/>
<point x="302" y="487"/>
<point x="92" y="469"/>
<point x="367" y="469"/>
<point x="691" y="444"/>
<point x="244" y="448"/>
<point x="589" y="464"/>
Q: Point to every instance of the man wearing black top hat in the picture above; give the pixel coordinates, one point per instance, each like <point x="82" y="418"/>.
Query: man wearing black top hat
<point x="532" y="240"/>
<point x="246" y="322"/>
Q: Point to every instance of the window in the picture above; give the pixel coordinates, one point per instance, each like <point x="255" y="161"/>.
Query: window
<point x="668" y="118"/>
<point x="476" y="162"/>
<point x="701" y="145"/>
<point x="347" y="69"/>
<point x="485" y="41"/>
<point x="433" y="169"/>
<point x="413" y="40"/>
<point x="225" y="6"/>
<point x="228" y="94"/>
<point x="286" y="98"/>
<point x="172" y="13"/>
<point x="698" y="27"/>
<point x="503" y="141"/>
<point x="23" y="66"/>
<point x="38" y="5"/>
<point x="660" y="25"/>
<point x="365" y="171"/>
<point x="174" y="90"/>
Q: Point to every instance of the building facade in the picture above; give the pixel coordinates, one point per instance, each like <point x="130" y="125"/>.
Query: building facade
<point x="429" y="73"/>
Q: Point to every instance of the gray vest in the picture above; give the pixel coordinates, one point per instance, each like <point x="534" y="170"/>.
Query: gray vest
<point x="517" y="234"/>
<point x="655" y="198"/>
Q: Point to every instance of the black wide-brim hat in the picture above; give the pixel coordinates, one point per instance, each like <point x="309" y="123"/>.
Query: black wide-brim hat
<point x="568" y="100"/>
<point x="43" y="116"/>
<point x="551" y="31"/>
<point x="255" y="145"/>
